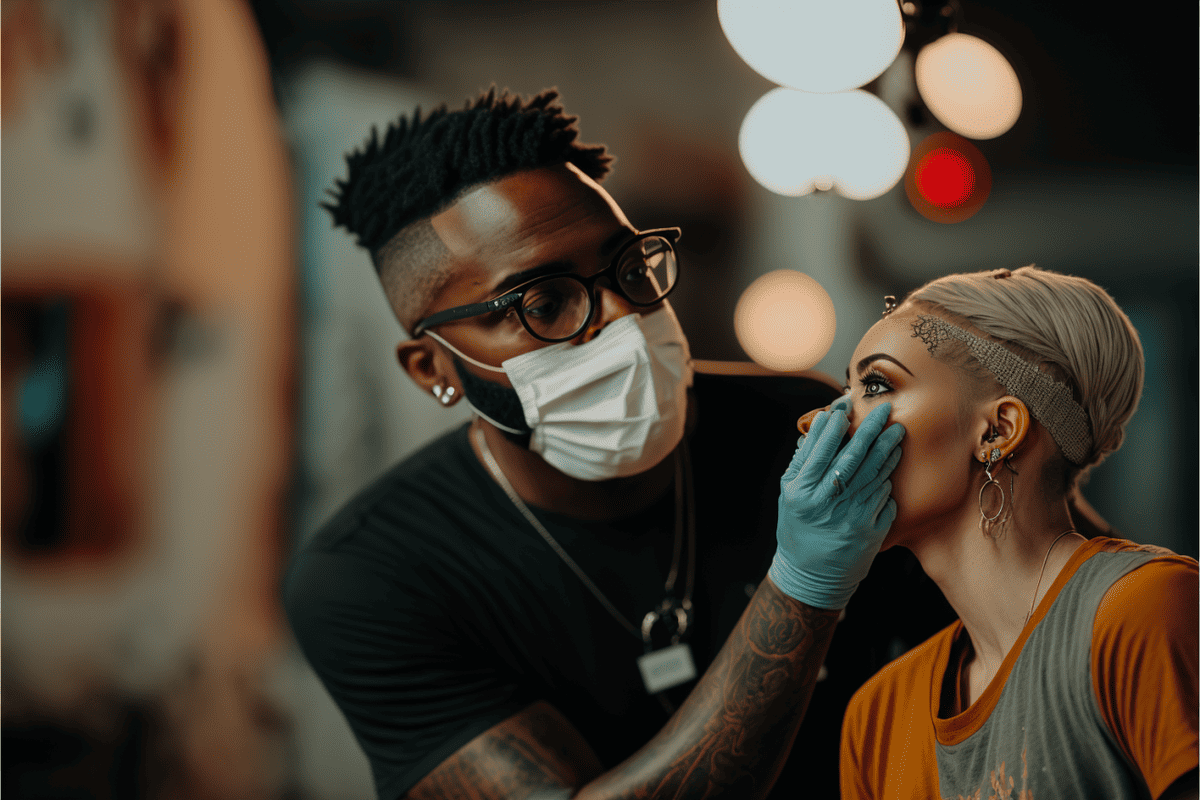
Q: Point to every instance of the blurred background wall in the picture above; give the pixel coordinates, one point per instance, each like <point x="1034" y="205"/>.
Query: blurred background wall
<point x="198" y="370"/>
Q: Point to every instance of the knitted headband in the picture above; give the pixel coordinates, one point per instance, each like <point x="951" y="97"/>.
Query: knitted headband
<point x="1049" y="401"/>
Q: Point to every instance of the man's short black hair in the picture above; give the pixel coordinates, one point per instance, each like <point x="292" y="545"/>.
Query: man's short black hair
<point x="423" y="165"/>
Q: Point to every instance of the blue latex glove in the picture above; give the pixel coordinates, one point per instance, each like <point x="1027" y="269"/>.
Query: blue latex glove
<point x="827" y="539"/>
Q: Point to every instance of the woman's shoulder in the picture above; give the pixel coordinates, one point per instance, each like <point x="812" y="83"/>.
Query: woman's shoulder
<point x="1159" y="592"/>
<point x="1144" y="665"/>
<point x="1111" y="544"/>
<point x="906" y="680"/>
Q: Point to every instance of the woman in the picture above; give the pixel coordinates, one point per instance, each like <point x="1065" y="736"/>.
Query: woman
<point x="1072" y="669"/>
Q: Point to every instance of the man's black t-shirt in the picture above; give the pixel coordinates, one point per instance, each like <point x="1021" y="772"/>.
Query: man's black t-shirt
<point x="431" y="609"/>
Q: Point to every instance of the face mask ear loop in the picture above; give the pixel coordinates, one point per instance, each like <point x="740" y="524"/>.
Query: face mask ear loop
<point x="479" y="413"/>
<point x="464" y="356"/>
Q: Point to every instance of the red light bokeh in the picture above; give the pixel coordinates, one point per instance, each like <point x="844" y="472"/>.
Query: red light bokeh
<point x="945" y="178"/>
<point x="948" y="179"/>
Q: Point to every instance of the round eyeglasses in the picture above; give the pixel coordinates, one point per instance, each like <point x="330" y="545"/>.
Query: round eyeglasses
<point x="556" y="308"/>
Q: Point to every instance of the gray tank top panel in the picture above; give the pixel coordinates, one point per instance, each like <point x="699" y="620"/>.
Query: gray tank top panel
<point x="1046" y="735"/>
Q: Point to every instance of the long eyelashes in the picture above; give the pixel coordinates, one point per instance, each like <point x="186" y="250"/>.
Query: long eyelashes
<point x="874" y="384"/>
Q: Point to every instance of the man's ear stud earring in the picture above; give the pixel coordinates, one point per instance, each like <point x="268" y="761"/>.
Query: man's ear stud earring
<point x="445" y="394"/>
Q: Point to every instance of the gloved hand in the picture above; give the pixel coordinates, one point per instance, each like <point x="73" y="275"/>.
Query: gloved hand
<point x="835" y="507"/>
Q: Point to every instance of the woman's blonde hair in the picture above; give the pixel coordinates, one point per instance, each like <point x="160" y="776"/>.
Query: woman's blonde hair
<point x="1067" y="326"/>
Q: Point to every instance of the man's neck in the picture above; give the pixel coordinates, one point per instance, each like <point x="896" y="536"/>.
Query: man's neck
<point x="542" y="486"/>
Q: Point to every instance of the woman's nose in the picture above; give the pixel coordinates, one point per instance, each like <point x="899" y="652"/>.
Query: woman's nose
<point x="843" y="403"/>
<point x="806" y="421"/>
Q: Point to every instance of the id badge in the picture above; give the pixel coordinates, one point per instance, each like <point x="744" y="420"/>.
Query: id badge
<point x="668" y="667"/>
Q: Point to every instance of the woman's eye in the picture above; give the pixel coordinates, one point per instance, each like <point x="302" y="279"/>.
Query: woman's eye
<point x="874" y="386"/>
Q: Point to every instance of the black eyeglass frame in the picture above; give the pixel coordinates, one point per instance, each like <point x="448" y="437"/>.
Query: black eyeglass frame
<point x="515" y="295"/>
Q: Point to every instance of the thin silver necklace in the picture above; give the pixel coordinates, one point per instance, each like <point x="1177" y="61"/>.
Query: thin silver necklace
<point x="1041" y="574"/>
<point x="682" y="473"/>
<point x="961" y="695"/>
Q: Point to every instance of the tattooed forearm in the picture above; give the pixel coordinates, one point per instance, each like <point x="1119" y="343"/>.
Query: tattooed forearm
<point x="730" y="737"/>
<point x="536" y="754"/>
<point x="734" y="731"/>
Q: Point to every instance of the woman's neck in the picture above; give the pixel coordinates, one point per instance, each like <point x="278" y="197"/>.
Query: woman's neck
<point x="991" y="582"/>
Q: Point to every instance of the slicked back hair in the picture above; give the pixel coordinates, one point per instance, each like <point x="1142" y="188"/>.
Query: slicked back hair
<point x="1066" y="325"/>
<point x="422" y="166"/>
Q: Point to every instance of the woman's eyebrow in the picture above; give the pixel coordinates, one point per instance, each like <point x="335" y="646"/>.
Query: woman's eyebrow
<point x="876" y="357"/>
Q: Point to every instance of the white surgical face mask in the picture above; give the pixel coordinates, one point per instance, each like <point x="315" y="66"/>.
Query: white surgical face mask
<point x="612" y="407"/>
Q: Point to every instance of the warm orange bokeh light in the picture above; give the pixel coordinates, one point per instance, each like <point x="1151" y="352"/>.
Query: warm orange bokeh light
<point x="785" y="321"/>
<point x="969" y="86"/>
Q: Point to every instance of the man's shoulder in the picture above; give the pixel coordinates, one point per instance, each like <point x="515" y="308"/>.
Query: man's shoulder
<point x="388" y="533"/>
<point x="413" y="493"/>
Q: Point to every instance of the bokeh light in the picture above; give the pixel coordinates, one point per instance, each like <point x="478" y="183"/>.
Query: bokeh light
<point x="794" y="142"/>
<point x="814" y="45"/>
<point x="785" y="321"/>
<point x="948" y="178"/>
<point x="969" y="86"/>
<point x="945" y="177"/>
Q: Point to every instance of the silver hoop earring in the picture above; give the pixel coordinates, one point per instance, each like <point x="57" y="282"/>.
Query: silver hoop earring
<point x="985" y="519"/>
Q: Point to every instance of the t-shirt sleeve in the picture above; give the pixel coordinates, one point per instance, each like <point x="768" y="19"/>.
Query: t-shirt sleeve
<point x="850" y="768"/>
<point x="390" y="652"/>
<point x="1144" y="667"/>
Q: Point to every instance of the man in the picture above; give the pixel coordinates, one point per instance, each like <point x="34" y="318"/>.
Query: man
<point x="523" y="607"/>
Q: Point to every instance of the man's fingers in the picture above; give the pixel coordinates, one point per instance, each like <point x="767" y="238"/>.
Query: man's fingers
<point x="887" y="514"/>
<point x="793" y="468"/>
<point x="866" y="494"/>
<point x="856" y="450"/>
<point x="880" y="461"/>
<point x="825" y="448"/>
<point x="878" y="497"/>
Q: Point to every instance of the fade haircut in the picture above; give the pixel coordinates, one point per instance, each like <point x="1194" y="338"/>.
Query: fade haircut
<point x="422" y="166"/>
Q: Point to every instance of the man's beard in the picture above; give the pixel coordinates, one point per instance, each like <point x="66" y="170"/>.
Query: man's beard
<point x="501" y="403"/>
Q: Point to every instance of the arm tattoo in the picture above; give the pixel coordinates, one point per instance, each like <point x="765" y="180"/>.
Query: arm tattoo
<point x="730" y="737"/>
<point x="536" y="754"/>
<point x="736" y="728"/>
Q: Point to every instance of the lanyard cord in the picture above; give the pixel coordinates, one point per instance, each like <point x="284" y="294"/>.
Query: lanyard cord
<point x="682" y="466"/>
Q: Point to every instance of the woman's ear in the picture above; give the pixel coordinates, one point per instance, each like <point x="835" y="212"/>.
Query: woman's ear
<point x="1009" y="426"/>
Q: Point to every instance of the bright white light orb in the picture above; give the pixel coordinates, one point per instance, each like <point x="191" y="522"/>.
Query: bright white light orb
<point x="814" y="45"/>
<point x="794" y="142"/>
<point x="785" y="321"/>
<point x="969" y="86"/>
